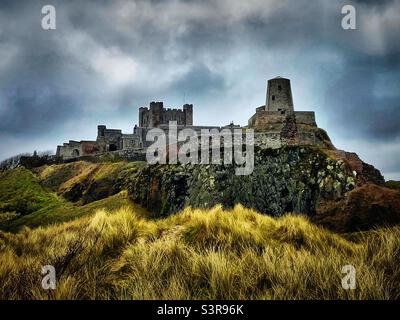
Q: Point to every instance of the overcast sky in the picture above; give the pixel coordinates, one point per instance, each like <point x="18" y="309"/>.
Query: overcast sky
<point x="108" y="58"/>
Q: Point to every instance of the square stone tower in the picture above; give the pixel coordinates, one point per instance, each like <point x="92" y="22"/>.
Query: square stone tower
<point x="188" y="111"/>
<point x="279" y="95"/>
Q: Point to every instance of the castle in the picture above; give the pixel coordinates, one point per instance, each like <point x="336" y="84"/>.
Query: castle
<point x="275" y="124"/>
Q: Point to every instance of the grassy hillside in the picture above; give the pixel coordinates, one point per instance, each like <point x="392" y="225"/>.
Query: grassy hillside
<point x="393" y="184"/>
<point x="58" y="193"/>
<point x="22" y="194"/>
<point x="84" y="182"/>
<point x="213" y="254"/>
<point x="67" y="212"/>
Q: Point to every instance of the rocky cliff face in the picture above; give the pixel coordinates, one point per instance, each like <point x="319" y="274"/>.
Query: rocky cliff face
<point x="364" y="207"/>
<point x="290" y="179"/>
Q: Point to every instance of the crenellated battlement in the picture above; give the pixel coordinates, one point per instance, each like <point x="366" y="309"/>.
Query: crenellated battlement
<point x="157" y="115"/>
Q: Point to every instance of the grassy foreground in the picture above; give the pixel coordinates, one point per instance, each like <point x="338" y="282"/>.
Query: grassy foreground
<point x="214" y="254"/>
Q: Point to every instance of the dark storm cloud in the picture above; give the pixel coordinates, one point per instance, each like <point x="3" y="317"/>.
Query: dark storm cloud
<point x="358" y="100"/>
<point x="199" y="80"/>
<point x="33" y="99"/>
<point x="108" y="57"/>
<point x="36" y="110"/>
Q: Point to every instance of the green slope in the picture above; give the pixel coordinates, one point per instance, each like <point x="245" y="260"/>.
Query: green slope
<point x="41" y="198"/>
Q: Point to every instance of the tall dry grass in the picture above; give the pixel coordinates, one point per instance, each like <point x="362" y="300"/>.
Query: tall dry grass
<point x="198" y="254"/>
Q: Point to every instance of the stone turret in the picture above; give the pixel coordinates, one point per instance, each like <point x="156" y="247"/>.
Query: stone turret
<point x="279" y="95"/>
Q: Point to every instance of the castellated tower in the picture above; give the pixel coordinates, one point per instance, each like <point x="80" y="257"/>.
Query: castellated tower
<point x="188" y="112"/>
<point x="157" y="115"/>
<point x="279" y="95"/>
<point x="156" y="110"/>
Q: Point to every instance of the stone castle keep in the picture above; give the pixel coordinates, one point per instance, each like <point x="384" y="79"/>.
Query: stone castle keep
<point x="275" y="124"/>
<point x="157" y="115"/>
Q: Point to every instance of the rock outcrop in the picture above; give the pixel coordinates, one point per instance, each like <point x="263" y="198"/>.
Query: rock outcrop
<point x="364" y="207"/>
<point x="289" y="179"/>
<point x="366" y="173"/>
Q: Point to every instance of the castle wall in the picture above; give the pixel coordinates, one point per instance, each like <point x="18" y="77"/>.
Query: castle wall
<point x="305" y="117"/>
<point x="130" y="141"/>
<point x="69" y="150"/>
<point x="268" y="140"/>
<point x="89" y="147"/>
<point x="173" y="115"/>
<point x="74" y="149"/>
<point x="307" y="138"/>
<point x="267" y="120"/>
<point x="109" y="139"/>
<point x="273" y="140"/>
<point x="142" y="132"/>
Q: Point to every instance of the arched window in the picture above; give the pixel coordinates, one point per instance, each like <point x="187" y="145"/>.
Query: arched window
<point x="75" y="153"/>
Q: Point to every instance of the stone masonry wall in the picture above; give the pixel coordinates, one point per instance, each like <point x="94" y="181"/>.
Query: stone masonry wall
<point x="305" y="117"/>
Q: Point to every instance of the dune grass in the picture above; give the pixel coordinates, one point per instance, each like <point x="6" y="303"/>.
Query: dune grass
<point x="197" y="254"/>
